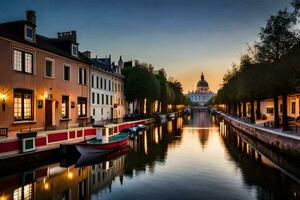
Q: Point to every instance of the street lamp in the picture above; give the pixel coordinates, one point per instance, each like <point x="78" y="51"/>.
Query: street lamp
<point x="3" y="97"/>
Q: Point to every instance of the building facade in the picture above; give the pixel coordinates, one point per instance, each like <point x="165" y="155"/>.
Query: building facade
<point x="107" y="89"/>
<point x="44" y="82"/>
<point x="202" y="94"/>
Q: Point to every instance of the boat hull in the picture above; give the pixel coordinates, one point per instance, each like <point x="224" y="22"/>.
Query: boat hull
<point x="85" y="147"/>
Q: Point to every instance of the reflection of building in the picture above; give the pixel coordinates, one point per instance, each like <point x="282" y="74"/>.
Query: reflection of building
<point x="203" y="137"/>
<point x="104" y="173"/>
<point x="202" y="94"/>
<point x="56" y="182"/>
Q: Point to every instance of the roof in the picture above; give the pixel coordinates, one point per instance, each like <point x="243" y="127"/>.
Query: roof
<point x="15" y="31"/>
<point x="202" y="82"/>
<point x="103" y="63"/>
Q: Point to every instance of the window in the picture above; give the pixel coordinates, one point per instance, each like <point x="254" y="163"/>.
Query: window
<point x="101" y="83"/>
<point x="49" y="68"/>
<point x="101" y="111"/>
<point x="111" y="100"/>
<point x="94" y="111"/>
<point x="65" y="107"/>
<point x="82" y="106"/>
<point x="82" y="76"/>
<point x="270" y="110"/>
<point x="74" y="50"/>
<point x="28" y="33"/>
<point x="104" y="84"/>
<point x="102" y="96"/>
<point x="23" y="61"/>
<point x="67" y="71"/>
<point x="93" y="97"/>
<point x="113" y="84"/>
<point x="280" y="108"/>
<point x="98" y="99"/>
<point x="97" y="83"/>
<point x="23" y="108"/>
<point x="92" y="81"/>
<point x="106" y="99"/>
<point x="293" y="107"/>
<point x="109" y="85"/>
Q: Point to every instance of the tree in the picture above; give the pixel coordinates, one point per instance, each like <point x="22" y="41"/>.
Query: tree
<point x="277" y="37"/>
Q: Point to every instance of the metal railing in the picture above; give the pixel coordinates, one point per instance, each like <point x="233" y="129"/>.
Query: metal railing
<point x="118" y="120"/>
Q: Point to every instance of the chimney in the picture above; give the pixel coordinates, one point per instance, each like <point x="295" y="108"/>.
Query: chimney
<point x="87" y="54"/>
<point x="30" y="17"/>
<point x="70" y="35"/>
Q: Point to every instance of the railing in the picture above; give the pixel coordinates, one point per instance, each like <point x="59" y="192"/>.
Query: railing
<point x="118" y="120"/>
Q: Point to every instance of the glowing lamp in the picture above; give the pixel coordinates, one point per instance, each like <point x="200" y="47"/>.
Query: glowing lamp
<point x="3" y="97"/>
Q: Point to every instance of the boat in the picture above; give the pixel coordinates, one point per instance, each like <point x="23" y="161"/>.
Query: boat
<point x="162" y="118"/>
<point x="95" y="145"/>
<point x="133" y="131"/>
<point x="171" y="115"/>
<point x="142" y="127"/>
<point x="129" y="131"/>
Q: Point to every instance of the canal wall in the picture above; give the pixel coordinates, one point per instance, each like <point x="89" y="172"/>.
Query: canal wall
<point x="283" y="142"/>
<point x="50" y="140"/>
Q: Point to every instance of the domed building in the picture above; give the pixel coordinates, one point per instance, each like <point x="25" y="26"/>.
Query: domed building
<point x="202" y="94"/>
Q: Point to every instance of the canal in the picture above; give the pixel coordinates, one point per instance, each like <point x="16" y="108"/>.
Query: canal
<point x="198" y="157"/>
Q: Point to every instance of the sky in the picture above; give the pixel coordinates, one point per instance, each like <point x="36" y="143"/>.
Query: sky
<point x="184" y="37"/>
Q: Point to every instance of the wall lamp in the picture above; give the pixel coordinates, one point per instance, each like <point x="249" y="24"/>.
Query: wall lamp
<point x="3" y="97"/>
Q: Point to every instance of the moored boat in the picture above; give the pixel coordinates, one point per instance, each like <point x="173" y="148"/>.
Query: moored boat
<point x="95" y="145"/>
<point x="171" y="116"/>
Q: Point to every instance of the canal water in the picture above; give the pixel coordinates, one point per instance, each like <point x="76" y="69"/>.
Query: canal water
<point x="198" y="157"/>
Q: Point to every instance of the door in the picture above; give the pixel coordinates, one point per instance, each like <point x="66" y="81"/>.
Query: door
<point x="48" y="113"/>
<point x="111" y="113"/>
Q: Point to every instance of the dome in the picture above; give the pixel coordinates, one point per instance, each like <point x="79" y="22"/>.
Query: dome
<point x="202" y="82"/>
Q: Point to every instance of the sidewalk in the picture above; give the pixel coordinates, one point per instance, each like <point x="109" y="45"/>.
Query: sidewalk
<point x="45" y="140"/>
<point x="260" y="125"/>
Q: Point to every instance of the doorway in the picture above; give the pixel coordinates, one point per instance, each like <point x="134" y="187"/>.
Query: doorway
<point x="48" y="114"/>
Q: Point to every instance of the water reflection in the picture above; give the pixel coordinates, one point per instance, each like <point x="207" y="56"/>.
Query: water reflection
<point x="187" y="158"/>
<point x="270" y="180"/>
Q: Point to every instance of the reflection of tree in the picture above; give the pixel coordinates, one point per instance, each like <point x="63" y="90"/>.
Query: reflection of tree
<point x="270" y="182"/>
<point x="158" y="140"/>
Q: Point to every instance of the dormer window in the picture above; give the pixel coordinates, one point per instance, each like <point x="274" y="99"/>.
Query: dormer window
<point x="28" y="33"/>
<point x="74" y="50"/>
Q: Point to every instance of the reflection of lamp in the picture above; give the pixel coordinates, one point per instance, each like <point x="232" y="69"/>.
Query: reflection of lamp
<point x="46" y="184"/>
<point x="3" y="197"/>
<point x="3" y="97"/>
<point x="70" y="174"/>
